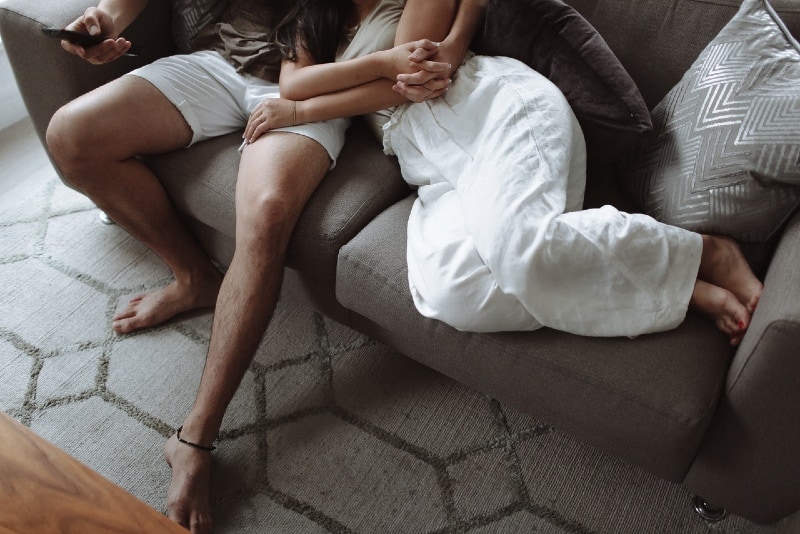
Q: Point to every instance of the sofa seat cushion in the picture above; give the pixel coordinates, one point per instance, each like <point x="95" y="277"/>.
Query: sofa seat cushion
<point x="201" y="180"/>
<point x="647" y="400"/>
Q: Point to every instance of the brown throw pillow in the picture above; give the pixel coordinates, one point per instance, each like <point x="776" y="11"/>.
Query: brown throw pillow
<point x="556" y="41"/>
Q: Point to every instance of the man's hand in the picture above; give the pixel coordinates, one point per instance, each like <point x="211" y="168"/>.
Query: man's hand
<point x="270" y="114"/>
<point x="95" y="21"/>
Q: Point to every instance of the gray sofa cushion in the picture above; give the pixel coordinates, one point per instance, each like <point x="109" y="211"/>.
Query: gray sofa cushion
<point x="649" y="399"/>
<point x="759" y="405"/>
<point x="202" y="182"/>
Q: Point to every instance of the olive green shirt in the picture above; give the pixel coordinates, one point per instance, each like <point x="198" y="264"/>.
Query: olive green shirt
<point x="245" y="36"/>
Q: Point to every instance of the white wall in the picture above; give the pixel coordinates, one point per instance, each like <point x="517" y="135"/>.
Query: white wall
<point x="11" y="107"/>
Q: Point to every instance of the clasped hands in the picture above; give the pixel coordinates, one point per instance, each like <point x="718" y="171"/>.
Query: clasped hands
<point x="421" y="71"/>
<point x="424" y="69"/>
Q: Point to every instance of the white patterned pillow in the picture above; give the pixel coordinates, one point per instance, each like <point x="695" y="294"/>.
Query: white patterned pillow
<point x="189" y="16"/>
<point x="724" y="153"/>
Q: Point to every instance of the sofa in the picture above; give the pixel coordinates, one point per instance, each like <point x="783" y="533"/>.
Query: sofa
<point x="683" y="405"/>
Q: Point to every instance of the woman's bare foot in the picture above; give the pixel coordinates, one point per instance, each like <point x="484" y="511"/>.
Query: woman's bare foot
<point x="187" y="499"/>
<point x="724" y="265"/>
<point x="730" y="315"/>
<point x="152" y="309"/>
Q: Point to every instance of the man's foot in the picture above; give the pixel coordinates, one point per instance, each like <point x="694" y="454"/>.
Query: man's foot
<point x="730" y="315"/>
<point x="724" y="265"/>
<point x="187" y="499"/>
<point x="152" y="309"/>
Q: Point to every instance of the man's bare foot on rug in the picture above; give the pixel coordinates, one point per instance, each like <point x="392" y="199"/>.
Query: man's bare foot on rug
<point x="152" y="309"/>
<point x="724" y="265"/>
<point x="730" y="315"/>
<point x="188" y="496"/>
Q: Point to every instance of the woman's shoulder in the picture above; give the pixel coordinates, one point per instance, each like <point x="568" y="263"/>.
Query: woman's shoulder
<point x="391" y="6"/>
<point x="376" y="32"/>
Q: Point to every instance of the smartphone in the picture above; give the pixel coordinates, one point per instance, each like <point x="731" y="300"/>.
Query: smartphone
<point x="84" y="39"/>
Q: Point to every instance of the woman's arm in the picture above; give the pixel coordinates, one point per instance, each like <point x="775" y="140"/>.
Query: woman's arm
<point x="468" y="19"/>
<point x="426" y="19"/>
<point x="421" y="19"/>
<point x="369" y="86"/>
<point x="453" y="47"/>
<point x="422" y="70"/>
<point x="365" y="98"/>
<point x="301" y="78"/>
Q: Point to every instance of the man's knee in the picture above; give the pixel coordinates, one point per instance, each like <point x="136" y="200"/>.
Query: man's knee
<point x="273" y="190"/>
<point x="63" y="139"/>
<point x="266" y="220"/>
<point x="71" y="143"/>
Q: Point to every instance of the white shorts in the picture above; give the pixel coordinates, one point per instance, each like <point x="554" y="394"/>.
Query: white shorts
<point x="215" y="100"/>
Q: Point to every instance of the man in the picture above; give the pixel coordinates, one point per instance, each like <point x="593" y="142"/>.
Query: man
<point x="174" y="103"/>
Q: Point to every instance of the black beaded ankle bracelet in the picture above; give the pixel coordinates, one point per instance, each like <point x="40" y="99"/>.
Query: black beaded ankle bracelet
<point x="195" y="445"/>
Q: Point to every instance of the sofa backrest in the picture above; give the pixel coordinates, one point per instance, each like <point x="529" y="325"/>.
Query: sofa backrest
<point x="658" y="40"/>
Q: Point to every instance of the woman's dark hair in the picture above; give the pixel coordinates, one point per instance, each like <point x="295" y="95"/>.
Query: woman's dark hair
<point x="316" y="25"/>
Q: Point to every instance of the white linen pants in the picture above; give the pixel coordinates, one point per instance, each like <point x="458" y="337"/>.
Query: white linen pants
<point x="496" y="241"/>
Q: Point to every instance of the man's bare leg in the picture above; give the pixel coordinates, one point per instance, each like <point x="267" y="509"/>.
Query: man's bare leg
<point x="94" y="140"/>
<point x="277" y="175"/>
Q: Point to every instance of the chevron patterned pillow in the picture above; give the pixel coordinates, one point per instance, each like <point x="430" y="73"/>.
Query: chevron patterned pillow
<point x="724" y="154"/>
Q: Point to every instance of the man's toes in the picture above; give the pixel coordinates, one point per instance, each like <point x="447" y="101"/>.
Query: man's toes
<point x="181" y="513"/>
<point x="124" y="326"/>
<point x="177" y="510"/>
<point x="125" y="314"/>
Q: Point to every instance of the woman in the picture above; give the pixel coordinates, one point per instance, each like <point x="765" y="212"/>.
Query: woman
<point x="497" y="239"/>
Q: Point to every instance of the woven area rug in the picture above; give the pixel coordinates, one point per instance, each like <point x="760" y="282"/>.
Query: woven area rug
<point x="330" y="431"/>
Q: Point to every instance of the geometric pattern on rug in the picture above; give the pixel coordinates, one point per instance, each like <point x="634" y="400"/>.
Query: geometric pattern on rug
<point x="329" y="432"/>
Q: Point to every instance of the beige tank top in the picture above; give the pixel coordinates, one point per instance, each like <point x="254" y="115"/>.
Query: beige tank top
<point x="376" y="32"/>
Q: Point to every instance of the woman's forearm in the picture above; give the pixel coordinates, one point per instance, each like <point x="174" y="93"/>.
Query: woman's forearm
<point x="421" y="19"/>
<point x="468" y="19"/>
<point x="274" y="113"/>
<point x="301" y="82"/>
<point x="366" y="98"/>
<point x="425" y="19"/>
<point x="323" y="90"/>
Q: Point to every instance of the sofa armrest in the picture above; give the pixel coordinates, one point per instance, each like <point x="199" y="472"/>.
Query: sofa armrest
<point x="749" y="460"/>
<point x="47" y="76"/>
